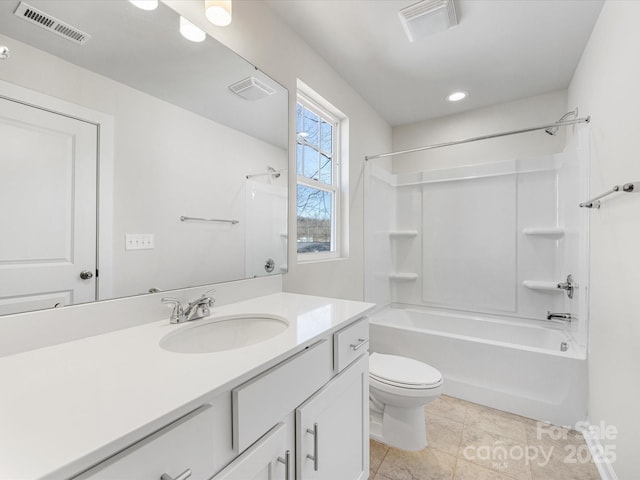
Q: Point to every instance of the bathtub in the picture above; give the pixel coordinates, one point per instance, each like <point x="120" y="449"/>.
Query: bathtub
<point x="511" y="364"/>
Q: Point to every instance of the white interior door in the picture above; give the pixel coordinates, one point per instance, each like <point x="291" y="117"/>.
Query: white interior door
<point x="48" y="165"/>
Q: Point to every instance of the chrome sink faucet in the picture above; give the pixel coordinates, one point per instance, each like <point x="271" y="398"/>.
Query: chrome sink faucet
<point x="199" y="308"/>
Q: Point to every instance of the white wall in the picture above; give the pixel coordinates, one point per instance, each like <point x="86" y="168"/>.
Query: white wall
<point x="263" y="39"/>
<point x="605" y="86"/>
<point x="527" y="112"/>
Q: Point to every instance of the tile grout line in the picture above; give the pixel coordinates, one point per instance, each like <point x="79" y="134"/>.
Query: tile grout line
<point x="375" y="474"/>
<point x="526" y="441"/>
<point x="455" y="465"/>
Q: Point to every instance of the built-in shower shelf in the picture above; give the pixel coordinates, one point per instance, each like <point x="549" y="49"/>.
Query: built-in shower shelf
<point x="542" y="286"/>
<point x="403" y="276"/>
<point x="554" y="232"/>
<point x="403" y="233"/>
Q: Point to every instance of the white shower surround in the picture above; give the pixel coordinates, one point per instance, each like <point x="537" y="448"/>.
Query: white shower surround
<point x="504" y="355"/>
<point x="511" y="364"/>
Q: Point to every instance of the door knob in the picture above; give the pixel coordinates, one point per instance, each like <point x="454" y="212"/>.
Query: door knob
<point x="86" y="275"/>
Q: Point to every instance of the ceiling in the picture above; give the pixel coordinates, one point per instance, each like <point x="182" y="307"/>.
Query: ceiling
<point x="144" y="50"/>
<point x="501" y="50"/>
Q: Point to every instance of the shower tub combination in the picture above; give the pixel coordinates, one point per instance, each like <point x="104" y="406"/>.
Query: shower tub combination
<point x="516" y="365"/>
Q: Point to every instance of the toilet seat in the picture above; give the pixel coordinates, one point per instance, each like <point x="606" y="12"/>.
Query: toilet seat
<point x="402" y="372"/>
<point x="381" y="382"/>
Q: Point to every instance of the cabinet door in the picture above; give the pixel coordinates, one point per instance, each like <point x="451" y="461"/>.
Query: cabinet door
<point x="332" y="428"/>
<point x="270" y="458"/>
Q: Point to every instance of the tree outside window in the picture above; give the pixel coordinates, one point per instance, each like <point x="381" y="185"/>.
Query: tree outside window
<point x="317" y="179"/>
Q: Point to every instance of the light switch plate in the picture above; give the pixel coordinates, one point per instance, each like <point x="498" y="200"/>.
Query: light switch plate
<point x="139" y="241"/>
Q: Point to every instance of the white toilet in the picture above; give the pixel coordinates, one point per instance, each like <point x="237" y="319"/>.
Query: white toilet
<point x="399" y="388"/>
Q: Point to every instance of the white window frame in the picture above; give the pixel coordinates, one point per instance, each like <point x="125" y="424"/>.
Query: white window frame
<point x="335" y="187"/>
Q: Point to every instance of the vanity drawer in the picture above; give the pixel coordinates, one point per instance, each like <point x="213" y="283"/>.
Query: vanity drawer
<point x="349" y="343"/>
<point x="263" y="401"/>
<point x="186" y="444"/>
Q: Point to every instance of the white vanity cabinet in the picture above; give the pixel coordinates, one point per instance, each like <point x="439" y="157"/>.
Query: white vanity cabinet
<point x="304" y="418"/>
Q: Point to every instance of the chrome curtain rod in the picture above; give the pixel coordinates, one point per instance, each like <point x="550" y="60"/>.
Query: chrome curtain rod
<point x="482" y="137"/>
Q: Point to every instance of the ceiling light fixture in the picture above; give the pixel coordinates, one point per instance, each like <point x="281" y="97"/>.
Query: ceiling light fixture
<point x="190" y="31"/>
<point x="218" y="12"/>
<point x="457" y="96"/>
<point x="145" y="4"/>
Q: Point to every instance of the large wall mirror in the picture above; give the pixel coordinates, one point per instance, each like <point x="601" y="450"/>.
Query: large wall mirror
<point x="132" y="159"/>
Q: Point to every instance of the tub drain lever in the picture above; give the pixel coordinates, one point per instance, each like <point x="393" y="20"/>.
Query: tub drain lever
<point x="567" y="317"/>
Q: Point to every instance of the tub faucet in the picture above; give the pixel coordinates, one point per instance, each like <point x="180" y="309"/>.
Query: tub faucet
<point x="569" y="286"/>
<point x="567" y="317"/>
<point x="199" y="308"/>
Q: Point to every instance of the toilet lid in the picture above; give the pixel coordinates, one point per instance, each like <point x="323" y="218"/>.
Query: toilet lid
<point x="402" y="370"/>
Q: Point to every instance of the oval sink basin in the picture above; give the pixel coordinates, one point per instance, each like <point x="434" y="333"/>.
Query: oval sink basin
<point x="223" y="333"/>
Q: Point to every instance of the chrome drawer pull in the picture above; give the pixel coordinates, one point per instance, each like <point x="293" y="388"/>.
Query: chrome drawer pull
<point x="286" y="460"/>
<point x="183" y="476"/>
<point x="358" y="346"/>
<point x="314" y="457"/>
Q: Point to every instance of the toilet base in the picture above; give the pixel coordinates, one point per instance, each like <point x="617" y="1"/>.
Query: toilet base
<point x="402" y="428"/>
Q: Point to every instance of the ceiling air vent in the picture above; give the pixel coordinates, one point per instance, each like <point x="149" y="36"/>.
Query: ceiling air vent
<point x="251" y="88"/>
<point x="427" y="17"/>
<point x="50" y="23"/>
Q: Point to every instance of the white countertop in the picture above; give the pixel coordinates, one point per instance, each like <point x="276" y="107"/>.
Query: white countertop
<point x="64" y="406"/>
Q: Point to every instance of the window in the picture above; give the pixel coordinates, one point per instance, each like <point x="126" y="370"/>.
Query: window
<point x="318" y="181"/>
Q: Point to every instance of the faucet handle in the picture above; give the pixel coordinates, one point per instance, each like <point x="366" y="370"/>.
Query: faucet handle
<point x="178" y="312"/>
<point x="170" y="300"/>
<point x="205" y="296"/>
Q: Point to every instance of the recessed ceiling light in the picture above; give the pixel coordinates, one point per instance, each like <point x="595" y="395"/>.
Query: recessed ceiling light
<point x="457" y="96"/>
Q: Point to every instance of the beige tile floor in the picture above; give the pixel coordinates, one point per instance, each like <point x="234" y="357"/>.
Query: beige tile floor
<point x="472" y="442"/>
